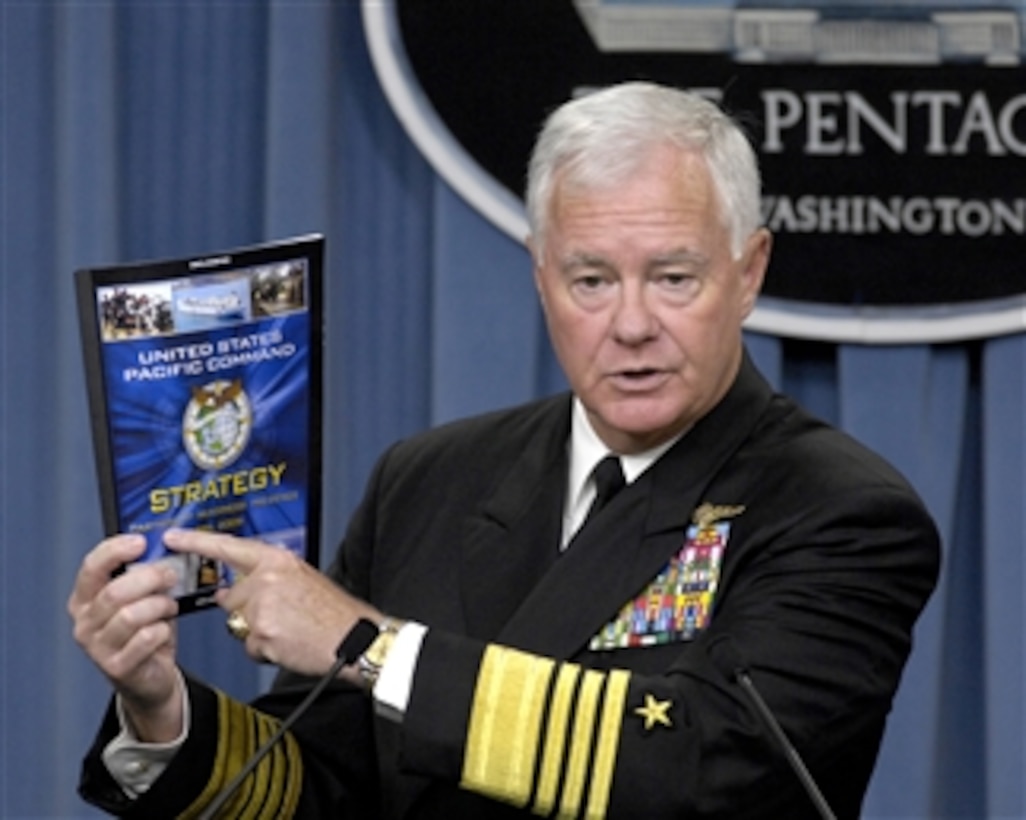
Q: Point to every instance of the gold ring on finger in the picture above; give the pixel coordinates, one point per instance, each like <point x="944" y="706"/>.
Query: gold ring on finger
<point x="238" y="626"/>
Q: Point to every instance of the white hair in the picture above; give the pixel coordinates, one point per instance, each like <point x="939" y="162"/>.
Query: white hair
<point x="600" y="138"/>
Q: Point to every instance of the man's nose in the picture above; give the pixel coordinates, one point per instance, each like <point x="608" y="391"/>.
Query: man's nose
<point x="634" y="321"/>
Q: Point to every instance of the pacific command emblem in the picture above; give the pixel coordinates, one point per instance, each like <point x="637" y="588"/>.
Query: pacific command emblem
<point x="217" y="424"/>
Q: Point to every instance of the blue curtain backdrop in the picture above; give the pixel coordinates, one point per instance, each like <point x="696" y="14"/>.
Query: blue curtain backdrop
<point x="136" y="130"/>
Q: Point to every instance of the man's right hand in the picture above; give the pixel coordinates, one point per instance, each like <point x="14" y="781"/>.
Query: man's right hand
<point x="125" y="624"/>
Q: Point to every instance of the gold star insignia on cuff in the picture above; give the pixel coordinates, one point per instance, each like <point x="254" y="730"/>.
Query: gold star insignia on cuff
<point x="655" y="712"/>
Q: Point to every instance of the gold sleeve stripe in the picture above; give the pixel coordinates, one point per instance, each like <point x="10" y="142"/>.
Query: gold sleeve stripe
<point x="227" y="756"/>
<point x="251" y="796"/>
<point x="609" y="737"/>
<point x="544" y="734"/>
<point x="272" y="790"/>
<point x="560" y="710"/>
<point x="284" y="791"/>
<point x="580" y="743"/>
<point x="505" y="724"/>
<point x="244" y="799"/>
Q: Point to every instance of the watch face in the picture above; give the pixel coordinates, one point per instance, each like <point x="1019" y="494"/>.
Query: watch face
<point x="373" y="659"/>
<point x="376" y="653"/>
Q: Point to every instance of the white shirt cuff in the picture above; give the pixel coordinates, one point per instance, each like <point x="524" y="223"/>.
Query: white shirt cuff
<point x="392" y="691"/>
<point x="135" y="765"/>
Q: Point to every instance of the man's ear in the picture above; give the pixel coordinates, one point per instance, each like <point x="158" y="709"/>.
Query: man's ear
<point x="534" y="250"/>
<point x="754" y="263"/>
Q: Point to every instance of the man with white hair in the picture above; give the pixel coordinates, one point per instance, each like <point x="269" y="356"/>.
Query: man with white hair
<point x="534" y="656"/>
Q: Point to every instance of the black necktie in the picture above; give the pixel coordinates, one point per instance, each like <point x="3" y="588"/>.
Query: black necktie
<point x="609" y="481"/>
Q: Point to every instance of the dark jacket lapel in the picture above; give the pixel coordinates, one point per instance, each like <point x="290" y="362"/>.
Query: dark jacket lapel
<point x="510" y="546"/>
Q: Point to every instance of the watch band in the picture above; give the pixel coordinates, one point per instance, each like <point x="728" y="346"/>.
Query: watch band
<point x="369" y="664"/>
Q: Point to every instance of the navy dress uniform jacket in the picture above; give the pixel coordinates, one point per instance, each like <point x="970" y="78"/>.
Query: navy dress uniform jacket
<point x="515" y="710"/>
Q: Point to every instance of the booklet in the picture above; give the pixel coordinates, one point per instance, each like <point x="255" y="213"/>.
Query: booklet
<point x="204" y="378"/>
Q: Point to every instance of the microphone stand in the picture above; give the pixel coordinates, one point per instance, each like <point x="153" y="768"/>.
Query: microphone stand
<point x="806" y="778"/>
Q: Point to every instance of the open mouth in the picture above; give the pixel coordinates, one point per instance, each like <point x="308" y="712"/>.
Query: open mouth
<point x="643" y="378"/>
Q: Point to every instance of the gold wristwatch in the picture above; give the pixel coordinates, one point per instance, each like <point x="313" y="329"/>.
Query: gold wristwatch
<point x="370" y="662"/>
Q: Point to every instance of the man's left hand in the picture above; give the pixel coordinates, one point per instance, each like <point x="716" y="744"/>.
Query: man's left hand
<point x="297" y="616"/>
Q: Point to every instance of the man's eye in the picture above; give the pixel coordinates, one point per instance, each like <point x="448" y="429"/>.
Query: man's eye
<point x="590" y="283"/>
<point x="679" y="282"/>
<point x="678" y="287"/>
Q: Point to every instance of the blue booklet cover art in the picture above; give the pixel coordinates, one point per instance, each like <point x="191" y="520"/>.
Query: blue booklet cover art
<point x="207" y="382"/>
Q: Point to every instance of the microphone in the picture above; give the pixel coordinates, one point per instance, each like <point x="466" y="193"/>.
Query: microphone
<point x="739" y="674"/>
<point x="360" y="637"/>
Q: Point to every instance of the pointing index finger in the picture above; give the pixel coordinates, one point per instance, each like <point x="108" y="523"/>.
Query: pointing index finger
<point x="240" y="554"/>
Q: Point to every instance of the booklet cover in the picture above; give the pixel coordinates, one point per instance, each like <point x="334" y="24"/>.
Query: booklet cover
<point x="204" y="379"/>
